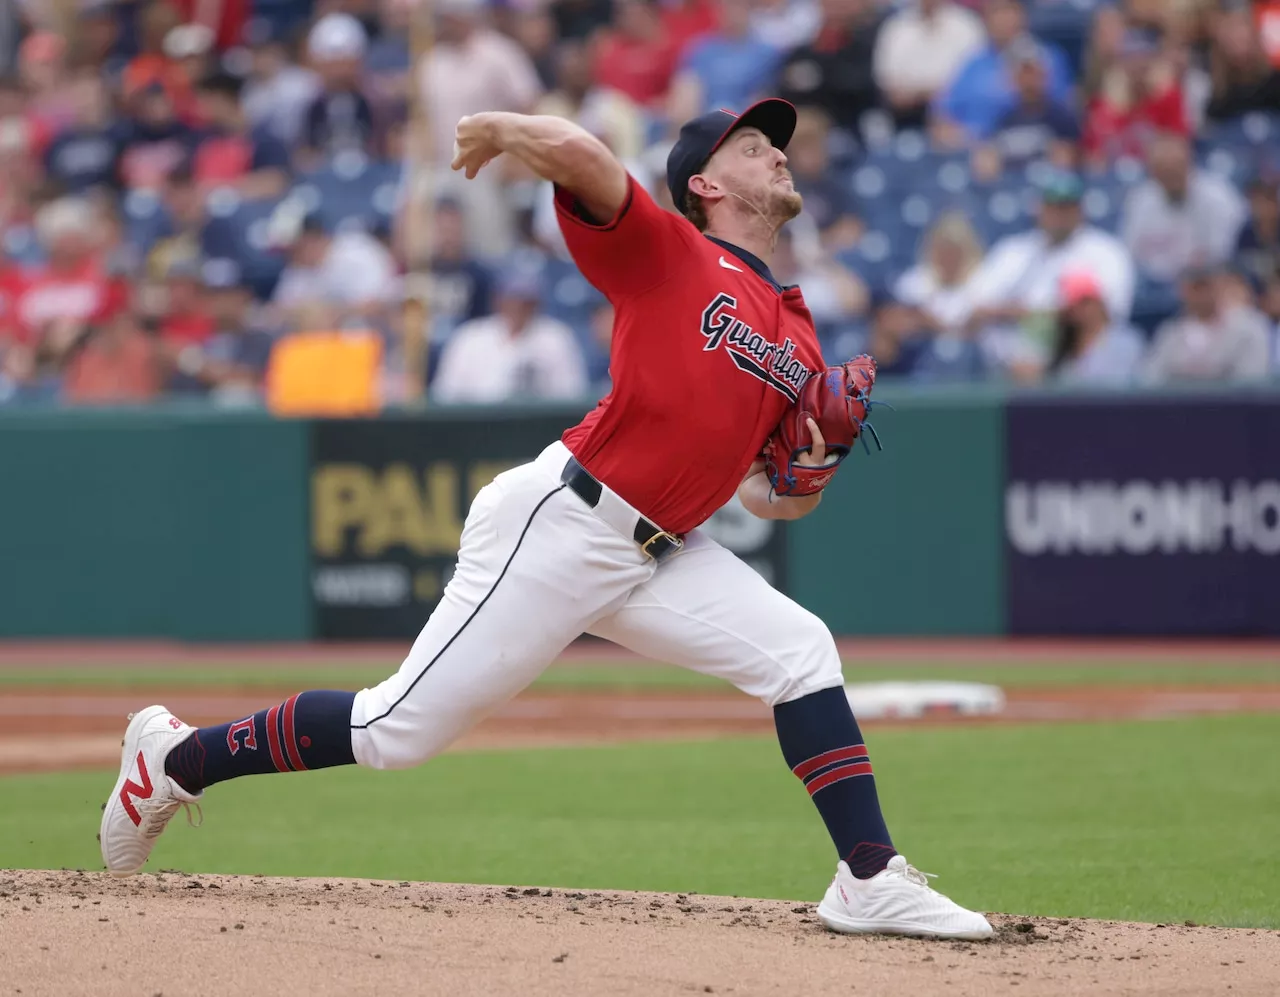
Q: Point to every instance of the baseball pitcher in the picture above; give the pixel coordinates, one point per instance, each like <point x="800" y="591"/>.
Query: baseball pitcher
<point x="719" y="386"/>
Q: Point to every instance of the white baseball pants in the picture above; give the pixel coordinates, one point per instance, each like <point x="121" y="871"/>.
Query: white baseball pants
<point x="537" y="567"/>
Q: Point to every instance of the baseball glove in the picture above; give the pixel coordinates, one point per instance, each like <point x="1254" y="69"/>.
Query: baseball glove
<point x="837" y="399"/>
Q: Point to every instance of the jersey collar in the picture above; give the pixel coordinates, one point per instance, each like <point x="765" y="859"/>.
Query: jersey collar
<point x="751" y="260"/>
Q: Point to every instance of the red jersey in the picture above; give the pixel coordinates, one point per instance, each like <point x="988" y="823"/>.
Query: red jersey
<point x="708" y="353"/>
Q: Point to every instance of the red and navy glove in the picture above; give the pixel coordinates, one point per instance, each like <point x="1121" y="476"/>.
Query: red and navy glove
<point x="837" y="399"/>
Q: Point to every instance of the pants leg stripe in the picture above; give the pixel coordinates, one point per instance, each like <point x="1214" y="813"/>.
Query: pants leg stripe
<point x="480" y="605"/>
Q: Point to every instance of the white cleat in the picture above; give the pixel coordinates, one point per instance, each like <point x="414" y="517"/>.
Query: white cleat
<point x="145" y="799"/>
<point x="896" y="901"/>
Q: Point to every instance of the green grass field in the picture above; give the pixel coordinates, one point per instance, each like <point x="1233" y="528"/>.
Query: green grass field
<point x="623" y="676"/>
<point x="1154" y="821"/>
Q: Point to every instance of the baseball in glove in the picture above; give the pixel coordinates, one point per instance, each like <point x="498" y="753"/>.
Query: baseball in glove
<point x="836" y="399"/>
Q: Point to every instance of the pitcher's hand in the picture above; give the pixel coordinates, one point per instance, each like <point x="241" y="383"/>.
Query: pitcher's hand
<point x="473" y="145"/>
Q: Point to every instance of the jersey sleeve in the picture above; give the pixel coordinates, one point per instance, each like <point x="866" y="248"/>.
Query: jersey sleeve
<point x="633" y="252"/>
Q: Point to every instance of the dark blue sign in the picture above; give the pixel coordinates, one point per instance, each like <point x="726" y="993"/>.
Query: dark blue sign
<point x="1143" y="517"/>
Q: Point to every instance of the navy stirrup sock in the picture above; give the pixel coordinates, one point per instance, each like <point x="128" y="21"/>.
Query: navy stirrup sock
<point x="821" y="742"/>
<point x="311" y="730"/>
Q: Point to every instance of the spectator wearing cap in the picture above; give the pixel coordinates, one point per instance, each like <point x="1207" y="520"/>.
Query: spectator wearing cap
<point x="1243" y="79"/>
<point x="728" y="67"/>
<point x="277" y="91"/>
<point x="86" y="154"/>
<point x="609" y="114"/>
<point x="1180" y="215"/>
<point x="827" y="199"/>
<point x="515" y="355"/>
<point x="230" y="363"/>
<point x="351" y="273"/>
<point x="1257" y="250"/>
<point x="340" y="118"/>
<point x="1038" y="126"/>
<point x="71" y="286"/>
<point x="918" y="53"/>
<point x="983" y="90"/>
<point x="230" y="152"/>
<point x="1139" y="96"/>
<point x="460" y="284"/>
<point x="1015" y="292"/>
<point x="189" y="48"/>
<point x="1210" y="341"/>
<point x="834" y="70"/>
<point x="1087" y="348"/>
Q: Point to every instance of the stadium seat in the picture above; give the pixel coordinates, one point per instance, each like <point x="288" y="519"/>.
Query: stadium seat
<point x="239" y="230"/>
<point x="352" y="190"/>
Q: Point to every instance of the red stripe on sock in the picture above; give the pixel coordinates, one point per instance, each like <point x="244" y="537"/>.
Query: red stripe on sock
<point x="807" y="768"/>
<point x="291" y="742"/>
<point x="838" y="774"/>
<point x="273" y="740"/>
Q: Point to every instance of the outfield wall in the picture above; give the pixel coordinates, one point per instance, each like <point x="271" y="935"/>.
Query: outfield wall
<point x="986" y="514"/>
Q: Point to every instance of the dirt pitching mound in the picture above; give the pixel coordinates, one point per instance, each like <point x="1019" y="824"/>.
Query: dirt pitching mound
<point x="176" y="934"/>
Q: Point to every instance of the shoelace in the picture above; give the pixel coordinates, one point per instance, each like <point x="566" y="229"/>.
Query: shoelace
<point x="157" y="813"/>
<point x="917" y="878"/>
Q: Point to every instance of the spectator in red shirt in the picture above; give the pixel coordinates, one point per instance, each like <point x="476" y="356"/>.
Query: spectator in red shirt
<point x="686" y="20"/>
<point x="1139" y="97"/>
<point x="116" y="362"/>
<point x="638" y="57"/>
<point x="71" y="286"/>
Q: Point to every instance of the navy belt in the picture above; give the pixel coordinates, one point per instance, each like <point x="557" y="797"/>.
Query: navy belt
<point x="657" y="544"/>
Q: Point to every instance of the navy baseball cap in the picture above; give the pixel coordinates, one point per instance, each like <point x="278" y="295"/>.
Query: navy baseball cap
<point x="701" y="137"/>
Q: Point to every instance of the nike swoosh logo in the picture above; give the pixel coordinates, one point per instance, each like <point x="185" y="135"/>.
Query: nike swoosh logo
<point x="729" y="266"/>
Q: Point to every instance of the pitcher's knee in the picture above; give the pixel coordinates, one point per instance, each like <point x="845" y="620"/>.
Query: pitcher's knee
<point x="810" y="664"/>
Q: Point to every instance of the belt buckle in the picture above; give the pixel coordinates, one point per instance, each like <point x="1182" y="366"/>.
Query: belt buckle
<point x="675" y="540"/>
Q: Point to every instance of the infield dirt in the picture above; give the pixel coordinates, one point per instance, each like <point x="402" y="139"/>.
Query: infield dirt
<point x="72" y="933"/>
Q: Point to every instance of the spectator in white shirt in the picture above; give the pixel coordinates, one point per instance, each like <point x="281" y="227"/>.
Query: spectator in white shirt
<point x="351" y="275"/>
<point x="1180" y="216"/>
<point x="513" y="355"/>
<point x="918" y="52"/>
<point x="938" y="286"/>
<point x="1212" y="340"/>
<point x="1016" y="290"/>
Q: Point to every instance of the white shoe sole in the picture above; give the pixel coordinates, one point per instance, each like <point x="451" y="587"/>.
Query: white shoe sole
<point x="856" y="926"/>
<point x="128" y="752"/>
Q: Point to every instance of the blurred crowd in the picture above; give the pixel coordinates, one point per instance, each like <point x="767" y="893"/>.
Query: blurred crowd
<point x="1069" y="191"/>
